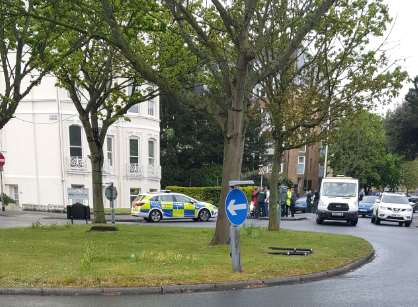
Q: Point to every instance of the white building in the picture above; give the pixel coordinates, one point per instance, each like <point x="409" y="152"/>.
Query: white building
<point x="47" y="152"/>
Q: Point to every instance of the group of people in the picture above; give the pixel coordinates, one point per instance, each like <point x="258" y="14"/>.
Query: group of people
<point x="260" y="199"/>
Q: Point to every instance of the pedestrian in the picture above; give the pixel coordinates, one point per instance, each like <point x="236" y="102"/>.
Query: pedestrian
<point x="261" y="202"/>
<point x="253" y="205"/>
<point x="309" y="201"/>
<point x="254" y="209"/>
<point x="267" y="201"/>
<point x="293" y="199"/>
<point x="316" y="201"/>
<point x="288" y="202"/>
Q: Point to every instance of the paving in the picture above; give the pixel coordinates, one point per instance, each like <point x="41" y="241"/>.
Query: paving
<point x="391" y="279"/>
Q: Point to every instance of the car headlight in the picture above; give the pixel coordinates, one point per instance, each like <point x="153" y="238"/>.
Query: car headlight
<point x="409" y="210"/>
<point x="321" y="205"/>
<point x="383" y="208"/>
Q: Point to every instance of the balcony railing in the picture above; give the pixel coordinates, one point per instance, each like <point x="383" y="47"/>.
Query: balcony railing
<point x="135" y="170"/>
<point x="300" y="169"/>
<point x="75" y="163"/>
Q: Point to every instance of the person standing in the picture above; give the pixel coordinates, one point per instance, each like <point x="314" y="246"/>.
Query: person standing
<point x="261" y="202"/>
<point x="309" y="201"/>
<point x="253" y="206"/>
<point x="293" y="199"/>
<point x="316" y="201"/>
<point x="267" y="201"/>
<point x="288" y="203"/>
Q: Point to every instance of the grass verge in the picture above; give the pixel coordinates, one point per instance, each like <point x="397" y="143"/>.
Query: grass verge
<point x="118" y="211"/>
<point x="71" y="256"/>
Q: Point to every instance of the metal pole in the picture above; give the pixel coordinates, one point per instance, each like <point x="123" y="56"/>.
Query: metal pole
<point x="2" y="195"/>
<point x="112" y="203"/>
<point x="235" y="250"/>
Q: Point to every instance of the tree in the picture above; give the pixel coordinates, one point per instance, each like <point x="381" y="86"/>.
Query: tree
<point x="191" y="146"/>
<point x="409" y="175"/>
<point x="358" y="149"/>
<point x="97" y="77"/>
<point x="401" y="125"/>
<point x="221" y="38"/>
<point x="308" y="99"/>
<point x="23" y="40"/>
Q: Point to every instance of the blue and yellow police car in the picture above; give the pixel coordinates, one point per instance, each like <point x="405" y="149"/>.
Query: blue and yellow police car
<point x="155" y="206"/>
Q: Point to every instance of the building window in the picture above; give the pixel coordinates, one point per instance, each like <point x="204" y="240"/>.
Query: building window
<point x="301" y="165"/>
<point x="134" y="109"/>
<point x="133" y="193"/>
<point x="76" y="149"/>
<point x="134" y="151"/>
<point x="109" y="150"/>
<point x="302" y="149"/>
<point x="151" y="107"/>
<point x="151" y="152"/>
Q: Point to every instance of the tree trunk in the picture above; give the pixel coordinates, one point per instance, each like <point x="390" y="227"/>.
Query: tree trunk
<point x="96" y="157"/>
<point x="274" y="222"/>
<point x="233" y="151"/>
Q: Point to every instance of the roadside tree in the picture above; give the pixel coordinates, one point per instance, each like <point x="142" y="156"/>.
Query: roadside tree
<point x="334" y="73"/>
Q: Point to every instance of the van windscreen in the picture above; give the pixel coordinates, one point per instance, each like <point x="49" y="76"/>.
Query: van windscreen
<point x="339" y="189"/>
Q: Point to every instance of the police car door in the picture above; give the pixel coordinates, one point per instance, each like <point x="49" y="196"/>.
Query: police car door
<point x="167" y="202"/>
<point x="188" y="205"/>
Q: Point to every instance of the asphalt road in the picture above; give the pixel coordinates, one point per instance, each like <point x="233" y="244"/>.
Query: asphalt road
<point x="391" y="279"/>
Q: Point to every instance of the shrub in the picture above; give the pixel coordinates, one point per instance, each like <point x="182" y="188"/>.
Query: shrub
<point x="7" y="200"/>
<point x="208" y="194"/>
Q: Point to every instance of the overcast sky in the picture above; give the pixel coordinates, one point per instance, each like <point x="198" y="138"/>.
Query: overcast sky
<point x="402" y="40"/>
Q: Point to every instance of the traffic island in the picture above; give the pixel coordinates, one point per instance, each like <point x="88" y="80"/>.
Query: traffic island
<point x="141" y="260"/>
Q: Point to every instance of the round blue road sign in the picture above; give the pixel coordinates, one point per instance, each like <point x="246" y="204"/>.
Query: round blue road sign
<point x="236" y="207"/>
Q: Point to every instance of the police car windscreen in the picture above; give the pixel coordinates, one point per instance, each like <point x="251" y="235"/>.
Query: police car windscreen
<point x="339" y="189"/>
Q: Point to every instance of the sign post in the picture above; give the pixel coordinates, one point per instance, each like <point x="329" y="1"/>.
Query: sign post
<point x="2" y="162"/>
<point x="236" y="207"/>
<point x="111" y="194"/>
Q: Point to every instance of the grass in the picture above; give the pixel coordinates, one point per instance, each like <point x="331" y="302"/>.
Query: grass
<point x="118" y="211"/>
<point x="71" y="256"/>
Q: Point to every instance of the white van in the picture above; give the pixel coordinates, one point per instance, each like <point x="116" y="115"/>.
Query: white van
<point x="338" y="200"/>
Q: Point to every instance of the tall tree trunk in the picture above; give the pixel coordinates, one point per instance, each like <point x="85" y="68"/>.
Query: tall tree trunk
<point x="233" y="151"/>
<point x="274" y="222"/>
<point x="97" y="158"/>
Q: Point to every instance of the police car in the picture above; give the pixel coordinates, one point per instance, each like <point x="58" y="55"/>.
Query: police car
<point x="154" y="207"/>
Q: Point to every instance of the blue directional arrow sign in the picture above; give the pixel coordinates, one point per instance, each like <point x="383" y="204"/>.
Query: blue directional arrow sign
<point x="236" y="207"/>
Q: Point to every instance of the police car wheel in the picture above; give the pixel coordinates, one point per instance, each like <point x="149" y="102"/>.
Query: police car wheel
<point x="204" y="215"/>
<point x="155" y="216"/>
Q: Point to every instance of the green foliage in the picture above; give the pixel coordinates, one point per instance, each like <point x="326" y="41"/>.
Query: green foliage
<point x="7" y="199"/>
<point x="358" y="149"/>
<point x="409" y="178"/>
<point x="401" y="125"/>
<point x="208" y="194"/>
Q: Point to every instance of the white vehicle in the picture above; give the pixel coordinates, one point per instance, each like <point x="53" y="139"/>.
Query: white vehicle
<point x="393" y="208"/>
<point x="338" y="200"/>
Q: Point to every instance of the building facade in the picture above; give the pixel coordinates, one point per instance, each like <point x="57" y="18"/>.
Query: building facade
<point x="47" y="155"/>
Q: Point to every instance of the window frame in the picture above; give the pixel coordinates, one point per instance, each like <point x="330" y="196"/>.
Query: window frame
<point x="151" y="159"/>
<point x="109" y="153"/>
<point x="71" y="146"/>
<point x="138" y="156"/>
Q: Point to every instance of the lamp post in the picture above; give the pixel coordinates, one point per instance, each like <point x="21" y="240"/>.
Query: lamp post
<point x="2" y="162"/>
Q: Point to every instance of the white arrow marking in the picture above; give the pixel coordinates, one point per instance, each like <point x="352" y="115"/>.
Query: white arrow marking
<point x="232" y="207"/>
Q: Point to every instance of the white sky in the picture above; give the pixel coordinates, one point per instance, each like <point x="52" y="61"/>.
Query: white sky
<point x="402" y="42"/>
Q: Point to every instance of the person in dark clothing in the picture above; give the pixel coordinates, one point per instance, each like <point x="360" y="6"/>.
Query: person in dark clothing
<point x="309" y="201"/>
<point x="316" y="201"/>
<point x="261" y="202"/>
<point x="293" y="202"/>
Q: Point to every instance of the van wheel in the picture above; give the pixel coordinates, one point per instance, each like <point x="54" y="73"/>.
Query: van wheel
<point x="353" y="222"/>
<point x="408" y="224"/>
<point x="373" y="219"/>
<point x="155" y="216"/>
<point x="377" y="220"/>
<point x="319" y="221"/>
<point x="204" y="215"/>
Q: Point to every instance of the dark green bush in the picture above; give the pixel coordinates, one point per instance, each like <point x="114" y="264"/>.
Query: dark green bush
<point x="7" y="200"/>
<point x="208" y="194"/>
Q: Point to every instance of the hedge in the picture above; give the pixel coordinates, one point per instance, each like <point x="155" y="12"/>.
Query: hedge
<point x="208" y="194"/>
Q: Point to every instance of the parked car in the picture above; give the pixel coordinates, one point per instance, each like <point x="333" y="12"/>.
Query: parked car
<point x="392" y="207"/>
<point x="301" y="204"/>
<point x="154" y="207"/>
<point x="365" y="206"/>
<point x="413" y="199"/>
